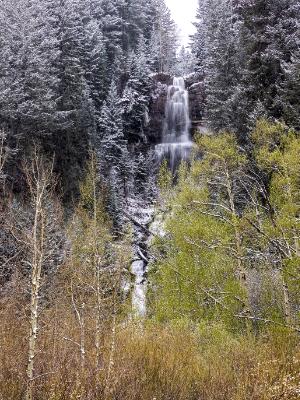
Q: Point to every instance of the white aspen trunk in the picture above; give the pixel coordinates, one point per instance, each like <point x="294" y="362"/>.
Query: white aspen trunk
<point x="32" y="336"/>
<point x="81" y="322"/>
<point x="97" y="269"/>
<point x="37" y="261"/>
<point x="97" y="343"/>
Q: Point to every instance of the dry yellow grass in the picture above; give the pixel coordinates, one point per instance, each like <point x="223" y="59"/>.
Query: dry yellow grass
<point x="151" y="362"/>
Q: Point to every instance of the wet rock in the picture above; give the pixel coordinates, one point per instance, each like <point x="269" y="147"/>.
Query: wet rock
<point x="164" y="79"/>
<point x="197" y="104"/>
<point x="157" y="107"/>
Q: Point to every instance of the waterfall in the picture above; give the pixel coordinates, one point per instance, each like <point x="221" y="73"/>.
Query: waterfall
<point x="176" y="144"/>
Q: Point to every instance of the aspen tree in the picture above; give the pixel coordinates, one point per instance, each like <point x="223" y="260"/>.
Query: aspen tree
<point x="40" y="180"/>
<point x="204" y="270"/>
<point x="223" y="164"/>
<point x="231" y="243"/>
<point x="95" y="269"/>
<point x="277" y="152"/>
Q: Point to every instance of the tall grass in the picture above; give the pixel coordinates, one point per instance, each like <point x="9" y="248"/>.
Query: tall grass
<point x="151" y="362"/>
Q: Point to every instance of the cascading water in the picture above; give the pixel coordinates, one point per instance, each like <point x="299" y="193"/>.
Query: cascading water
<point x="176" y="144"/>
<point x="138" y="269"/>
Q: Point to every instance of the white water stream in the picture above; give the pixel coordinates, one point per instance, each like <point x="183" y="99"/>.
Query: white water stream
<point x="139" y="290"/>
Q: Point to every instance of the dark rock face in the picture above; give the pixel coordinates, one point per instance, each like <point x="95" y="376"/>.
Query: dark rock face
<point x="164" y="79"/>
<point x="197" y="104"/>
<point x="195" y="85"/>
<point x="157" y="107"/>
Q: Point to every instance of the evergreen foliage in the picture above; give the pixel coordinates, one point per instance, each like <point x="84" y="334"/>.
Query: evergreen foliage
<point x="246" y="52"/>
<point x="60" y="60"/>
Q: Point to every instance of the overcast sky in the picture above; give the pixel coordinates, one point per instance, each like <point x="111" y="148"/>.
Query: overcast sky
<point x="184" y="12"/>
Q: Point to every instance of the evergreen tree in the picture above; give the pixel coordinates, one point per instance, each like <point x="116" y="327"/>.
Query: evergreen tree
<point x="199" y="39"/>
<point x="266" y="33"/>
<point x="135" y="14"/>
<point x="73" y="97"/>
<point x="111" y="142"/>
<point x="145" y="175"/>
<point x="221" y="70"/>
<point x="112" y="26"/>
<point x="244" y="52"/>
<point x="94" y="62"/>
<point x="290" y="92"/>
<point x="29" y="82"/>
<point x="136" y="94"/>
<point x="164" y="38"/>
<point x="215" y="48"/>
<point x="185" y="63"/>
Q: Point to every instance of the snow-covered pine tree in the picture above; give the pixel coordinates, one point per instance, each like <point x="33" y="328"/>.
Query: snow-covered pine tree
<point x="140" y="17"/>
<point x="215" y="46"/>
<point x="290" y="92"/>
<point x="265" y="25"/>
<point x="111" y="143"/>
<point x="199" y="38"/>
<point x="29" y="53"/>
<point x="164" y="38"/>
<point x="94" y="58"/>
<point x="109" y="15"/>
<point x="221" y="69"/>
<point x="185" y="62"/>
<point x="136" y="94"/>
<point x="288" y="31"/>
<point x="145" y="175"/>
<point x="73" y="97"/>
